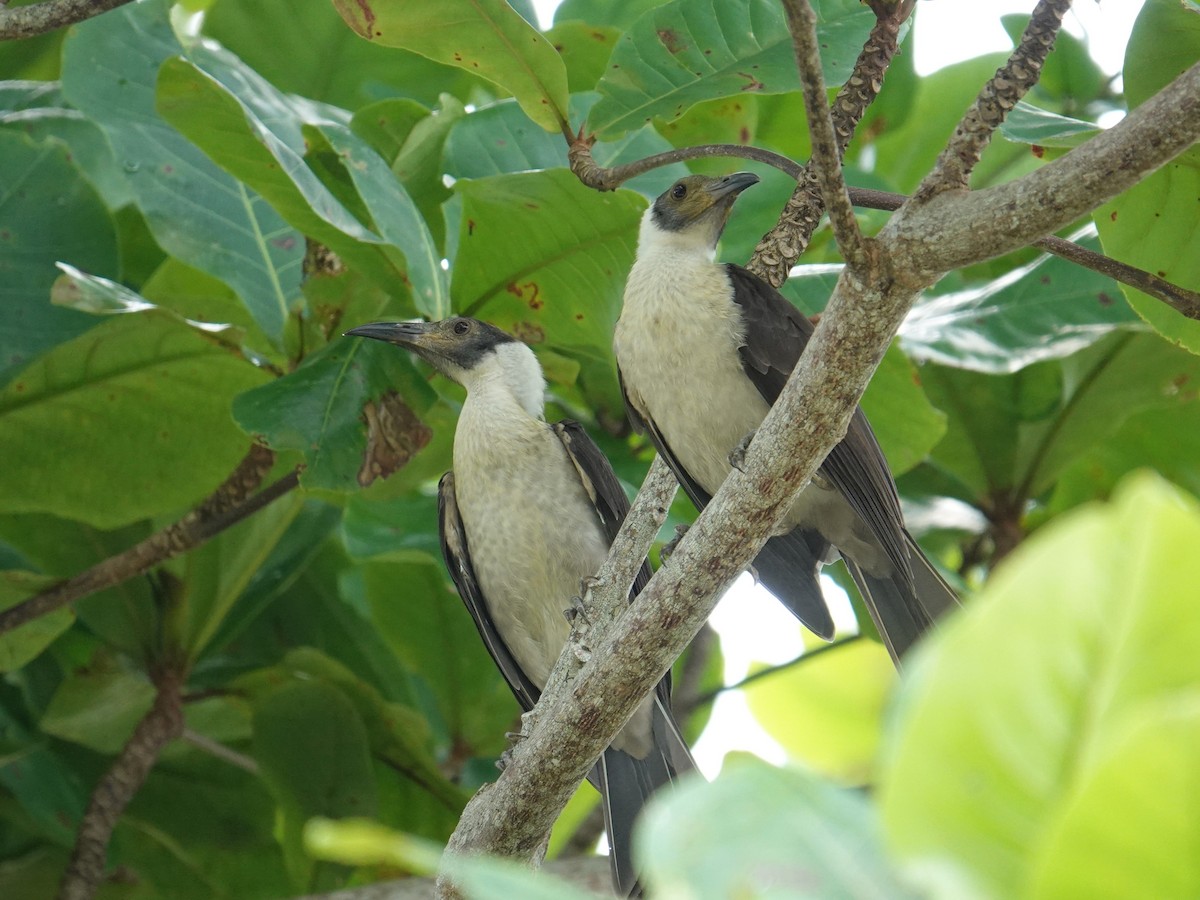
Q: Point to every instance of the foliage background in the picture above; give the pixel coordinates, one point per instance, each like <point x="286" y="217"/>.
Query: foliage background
<point x="163" y="167"/>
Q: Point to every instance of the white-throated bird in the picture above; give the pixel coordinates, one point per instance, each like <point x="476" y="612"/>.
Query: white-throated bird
<point x="529" y="510"/>
<point x="704" y="349"/>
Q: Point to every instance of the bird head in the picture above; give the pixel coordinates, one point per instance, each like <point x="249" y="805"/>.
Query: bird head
<point x="697" y="207"/>
<point x="468" y="351"/>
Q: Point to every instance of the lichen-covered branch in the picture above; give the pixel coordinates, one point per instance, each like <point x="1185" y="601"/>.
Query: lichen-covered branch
<point x="780" y="247"/>
<point x="38" y="18"/>
<point x="995" y="100"/>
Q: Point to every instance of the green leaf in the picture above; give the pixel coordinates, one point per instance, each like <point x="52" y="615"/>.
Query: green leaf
<point x="1155" y="226"/>
<point x="485" y="37"/>
<point x="545" y="258"/>
<point x="827" y="712"/>
<point x="373" y="527"/>
<point x="321" y="410"/>
<point x="216" y="574"/>
<point x="110" y="405"/>
<point x="1027" y="124"/>
<point x="47" y="788"/>
<point x="691" y="50"/>
<point x="905" y="422"/>
<point x="1047" y="309"/>
<point x="500" y="139"/>
<point x="1035" y="784"/>
<point x="48" y="212"/>
<point x="428" y="629"/>
<point x="315" y="756"/>
<point x="1164" y="43"/>
<point x="98" y="708"/>
<point x="19" y="646"/>
<point x="758" y="831"/>
<point x="257" y="133"/>
<point x="196" y="212"/>
<point x="318" y="57"/>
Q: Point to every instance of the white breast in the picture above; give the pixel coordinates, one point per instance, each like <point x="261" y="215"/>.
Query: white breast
<point x="677" y="347"/>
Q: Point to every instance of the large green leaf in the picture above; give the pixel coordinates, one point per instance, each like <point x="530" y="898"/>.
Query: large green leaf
<point x="1156" y="226"/>
<point x="318" y="57"/>
<point x="905" y="422"/>
<point x="1061" y="778"/>
<point x="485" y="37"/>
<point x="691" y="50"/>
<point x="48" y="212"/>
<point x="428" y="629"/>
<point x="827" y="712"/>
<point x="758" y="831"/>
<point x="1164" y="43"/>
<point x="314" y="752"/>
<point x="48" y="789"/>
<point x="196" y="212"/>
<point x="1048" y="309"/>
<point x="98" y="708"/>
<point x="500" y="138"/>
<point x="545" y="258"/>
<point x="325" y="409"/>
<point x="135" y="416"/>
<point x="256" y="132"/>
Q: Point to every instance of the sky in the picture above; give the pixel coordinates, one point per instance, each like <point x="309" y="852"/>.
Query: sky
<point x="754" y="627"/>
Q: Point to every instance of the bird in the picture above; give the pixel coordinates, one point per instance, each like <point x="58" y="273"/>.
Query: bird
<point x="703" y="350"/>
<point x="528" y="510"/>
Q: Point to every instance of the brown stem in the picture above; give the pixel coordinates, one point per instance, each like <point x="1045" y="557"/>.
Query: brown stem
<point x="1001" y="93"/>
<point x="38" y="18"/>
<point x="597" y="177"/>
<point x="161" y="725"/>
<point x="225" y="507"/>
<point x="780" y="247"/>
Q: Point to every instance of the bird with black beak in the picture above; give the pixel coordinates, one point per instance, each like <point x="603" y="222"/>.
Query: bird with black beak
<point x="528" y="511"/>
<point x="703" y="350"/>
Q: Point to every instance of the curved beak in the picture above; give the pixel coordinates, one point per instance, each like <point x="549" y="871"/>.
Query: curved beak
<point x="731" y="185"/>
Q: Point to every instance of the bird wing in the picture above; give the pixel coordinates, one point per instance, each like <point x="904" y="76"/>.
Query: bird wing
<point x="775" y="336"/>
<point x="788" y="564"/>
<point x="458" y="560"/>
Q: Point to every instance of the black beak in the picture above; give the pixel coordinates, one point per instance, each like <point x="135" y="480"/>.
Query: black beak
<point x="732" y="185"/>
<point x="405" y="334"/>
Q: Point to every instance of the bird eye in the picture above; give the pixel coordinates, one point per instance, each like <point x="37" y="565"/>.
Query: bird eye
<point x="679" y="191"/>
<point x="462" y="326"/>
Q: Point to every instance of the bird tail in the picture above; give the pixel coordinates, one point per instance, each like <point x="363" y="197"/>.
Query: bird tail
<point x="789" y="566"/>
<point x="904" y="606"/>
<point x="626" y="783"/>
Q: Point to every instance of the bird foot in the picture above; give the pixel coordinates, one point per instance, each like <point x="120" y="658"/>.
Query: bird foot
<point x="514" y="738"/>
<point x="737" y="456"/>
<point x="669" y="547"/>
<point x="577" y="615"/>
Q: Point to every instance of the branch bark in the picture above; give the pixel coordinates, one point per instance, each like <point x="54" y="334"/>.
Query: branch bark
<point x="225" y="507"/>
<point x="38" y="18"/>
<point x="161" y="725"/>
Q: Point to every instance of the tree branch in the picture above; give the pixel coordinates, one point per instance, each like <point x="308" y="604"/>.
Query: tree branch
<point x="954" y="229"/>
<point x="161" y="725"/>
<point x="998" y="96"/>
<point x="38" y="18"/>
<point x="593" y="175"/>
<point x="225" y="507"/>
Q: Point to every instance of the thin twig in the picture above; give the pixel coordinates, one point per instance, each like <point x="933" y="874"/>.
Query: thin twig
<point x="225" y="507"/>
<point x="161" y="725"/>
<point x="826" y="161"/>
<point x="1001" y="93"/>
<point x="38" y="18"/>
<point x="780" y="247"/>
<point x="219" y="751"/>
<point x="597" y="177"/>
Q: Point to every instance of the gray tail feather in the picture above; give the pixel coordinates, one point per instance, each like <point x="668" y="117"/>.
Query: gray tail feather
<point x="905" y="608"/>
<point x="626" y="783"/>
<point x="789" y="565"/>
